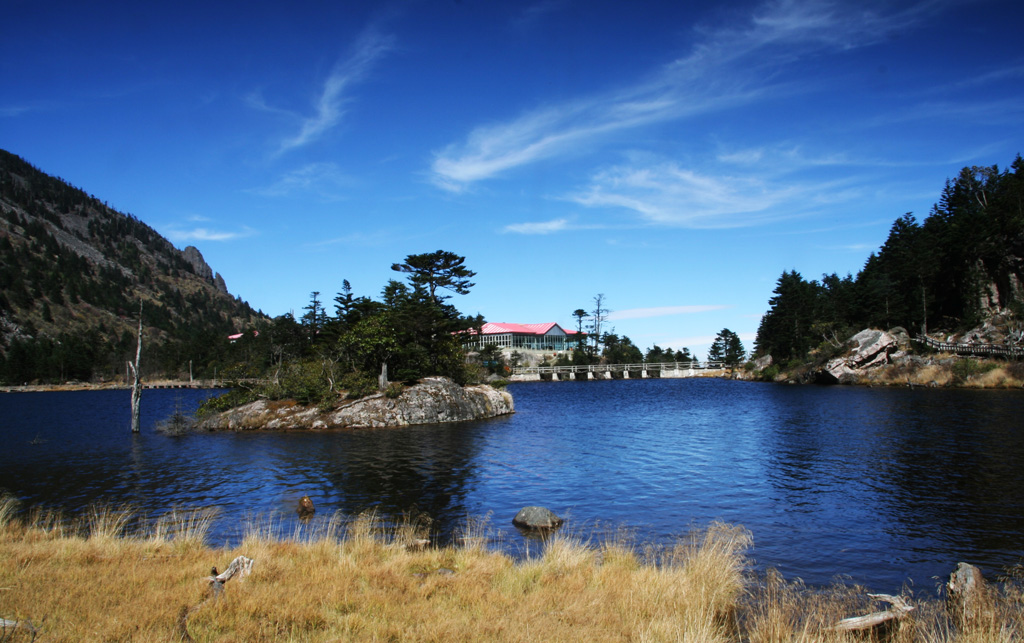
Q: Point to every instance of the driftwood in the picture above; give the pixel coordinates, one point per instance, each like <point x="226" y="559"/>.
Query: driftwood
<point x="899" y="609"/>
<point x="240" y="566"/>
<point x="8" y="628"/>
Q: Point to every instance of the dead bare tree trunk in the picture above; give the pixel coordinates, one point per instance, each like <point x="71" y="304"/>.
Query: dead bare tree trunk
<point x="382" y="379"/>
<point x="966" y="595"/>
<point x="136" y="384"/>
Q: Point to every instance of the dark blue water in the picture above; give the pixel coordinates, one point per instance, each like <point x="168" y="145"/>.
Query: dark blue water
<point x="882" y="485"/>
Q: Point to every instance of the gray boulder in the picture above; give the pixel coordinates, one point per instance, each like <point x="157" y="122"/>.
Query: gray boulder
<point x="536" y="518"/>
<point x="871" y="349"/>
<point x="902" y="336"/>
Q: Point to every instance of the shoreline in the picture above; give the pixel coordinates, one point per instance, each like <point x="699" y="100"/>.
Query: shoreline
<point x="891" y="376"/>
<point x="942" y="372"/>
<point x="361" y="578"/>
<point x="111" y="386"/>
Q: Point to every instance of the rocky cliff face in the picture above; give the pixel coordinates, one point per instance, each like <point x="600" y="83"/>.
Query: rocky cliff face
<point x="432" y="400"/>
<point x="203" y="269"/>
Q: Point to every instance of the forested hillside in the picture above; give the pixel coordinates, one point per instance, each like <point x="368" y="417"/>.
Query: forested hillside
<point x="73" y="273"/>
<point x="960" y="266"/>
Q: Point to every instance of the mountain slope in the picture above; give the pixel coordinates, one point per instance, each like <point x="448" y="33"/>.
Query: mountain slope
<point x="73" y="273"/>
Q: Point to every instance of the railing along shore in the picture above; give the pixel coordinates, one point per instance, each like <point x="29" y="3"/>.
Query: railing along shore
<point x="979" y="350"/>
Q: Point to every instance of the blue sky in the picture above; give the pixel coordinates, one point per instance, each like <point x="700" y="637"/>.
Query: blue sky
<point x="676" y="157"/>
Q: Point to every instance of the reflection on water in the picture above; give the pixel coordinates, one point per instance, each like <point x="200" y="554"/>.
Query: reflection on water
<point x="881" y="485"/>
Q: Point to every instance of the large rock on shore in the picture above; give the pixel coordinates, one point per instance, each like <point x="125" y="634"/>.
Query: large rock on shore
<point x="432" y="400"/>
<point x="870" y="349"/>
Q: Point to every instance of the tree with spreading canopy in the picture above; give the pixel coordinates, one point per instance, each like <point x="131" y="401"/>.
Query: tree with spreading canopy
<point x="437" y="270"/>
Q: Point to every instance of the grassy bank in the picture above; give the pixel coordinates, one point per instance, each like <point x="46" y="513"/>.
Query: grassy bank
<point x="351" y="580"/>
<point x="933" y="371"/>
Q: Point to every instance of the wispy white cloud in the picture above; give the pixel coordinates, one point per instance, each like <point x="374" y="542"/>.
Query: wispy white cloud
<point x="206" y="234"/>
<point x="785" y="158"/>
<point x="329" y="106"/>
<point x="728" y="67"/>
<point x="490" y="150"/>
<point x="745" y="187"/>
<point x="538" y="227"/>
<point x="742" y="157"/>
<point x="550" y="227"/>
<point x="667" y="194"/>
<point x="859" y="248"/>
<point x="662" y="311"/>
<point x="326" y="180"/>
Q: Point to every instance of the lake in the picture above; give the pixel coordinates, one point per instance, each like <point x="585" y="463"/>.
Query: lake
<point x="881" y="486"/>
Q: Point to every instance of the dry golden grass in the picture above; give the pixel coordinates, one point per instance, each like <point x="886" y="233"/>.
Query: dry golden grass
<point x="995" y="374"/>
<point x="354" y="580"/>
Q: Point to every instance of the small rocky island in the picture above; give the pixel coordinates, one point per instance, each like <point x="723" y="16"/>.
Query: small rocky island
<point x="431" y="400"/>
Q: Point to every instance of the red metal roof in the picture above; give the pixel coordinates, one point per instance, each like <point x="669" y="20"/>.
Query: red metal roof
<point x="497" y="328"/>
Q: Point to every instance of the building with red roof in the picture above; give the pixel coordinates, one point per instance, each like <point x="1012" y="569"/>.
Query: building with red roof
<point x="541" y="337"/>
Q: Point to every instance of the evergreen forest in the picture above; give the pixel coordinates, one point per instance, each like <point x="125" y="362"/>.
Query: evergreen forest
<point x="959" y="266"/>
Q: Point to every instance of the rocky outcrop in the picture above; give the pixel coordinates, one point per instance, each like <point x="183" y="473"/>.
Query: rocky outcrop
<point x="432" y="400"/>
<point x="195" y="259"/>
<point x="869" y="349"/>
<point x="1000" y="329"/>
<point x="203" y="269"/>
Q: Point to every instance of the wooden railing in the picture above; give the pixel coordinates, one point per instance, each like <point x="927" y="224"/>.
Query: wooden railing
<point x="980" y="350"/>
<point x="618" y="368"/>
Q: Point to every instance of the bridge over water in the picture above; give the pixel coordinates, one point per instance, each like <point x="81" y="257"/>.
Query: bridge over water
<point x="617" y="371"/>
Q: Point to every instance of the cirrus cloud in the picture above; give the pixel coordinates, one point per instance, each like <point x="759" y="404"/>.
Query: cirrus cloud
<point x="728" y="67"/>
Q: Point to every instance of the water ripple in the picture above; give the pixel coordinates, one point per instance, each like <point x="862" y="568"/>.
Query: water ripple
<point x="867" y="483"/>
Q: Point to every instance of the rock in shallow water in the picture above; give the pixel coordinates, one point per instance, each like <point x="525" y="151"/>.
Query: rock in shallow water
<point x="536" y="518"/>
